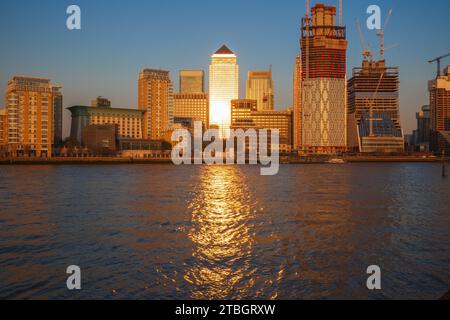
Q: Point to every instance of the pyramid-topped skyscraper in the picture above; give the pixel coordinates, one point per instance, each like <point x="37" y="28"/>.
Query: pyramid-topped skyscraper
<point x="223" y="87"/>
<point x="224" y="50"/>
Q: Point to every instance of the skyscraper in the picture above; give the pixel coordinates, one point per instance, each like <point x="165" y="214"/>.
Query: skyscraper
<point x="421" y="135"/>
<point x="155" y="96"/>
<point x="223" y="87"/>
<point x="192" y="101"/>
<point x="323" y="88"/>
<point x="297" y="103"/>
<point x="192" y="105"/>
<point x="30" y="116"/>
<point x="260" y="88"/>
<point x="439" y="90"/>
<point x="192" y="81"/>
<point x="373" y="109"/>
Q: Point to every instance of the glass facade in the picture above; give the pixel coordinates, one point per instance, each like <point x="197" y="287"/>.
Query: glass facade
<point x="223" y="87"/>
<point x="192" y="81"/>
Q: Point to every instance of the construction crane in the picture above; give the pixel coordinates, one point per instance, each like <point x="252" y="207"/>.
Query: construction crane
<point x="372" y="119"/>
<point x="438" y="60"/>
<point x="381" y="34"/>
<point x="367" y="53"/>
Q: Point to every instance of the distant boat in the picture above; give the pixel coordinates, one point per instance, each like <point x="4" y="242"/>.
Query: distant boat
<point x="337" y="161"/>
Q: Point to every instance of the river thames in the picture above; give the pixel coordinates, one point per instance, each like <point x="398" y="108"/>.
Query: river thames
<point x="224" y="232"/>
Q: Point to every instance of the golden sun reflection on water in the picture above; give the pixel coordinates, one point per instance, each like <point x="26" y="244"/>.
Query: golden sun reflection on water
<point x="222" y="234"/>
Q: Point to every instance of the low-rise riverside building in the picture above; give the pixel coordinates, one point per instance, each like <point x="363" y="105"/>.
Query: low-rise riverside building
<point x="128" y="122"/>
<point x="100" y="139"/>
<point x="143" y="149"/>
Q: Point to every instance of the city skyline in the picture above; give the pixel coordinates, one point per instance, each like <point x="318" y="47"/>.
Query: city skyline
<point x="223" y="159"/>
<point x="69" y="65"/>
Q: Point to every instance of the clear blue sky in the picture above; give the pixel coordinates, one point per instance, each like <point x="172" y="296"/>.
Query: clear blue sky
<point x="118" y="38"/>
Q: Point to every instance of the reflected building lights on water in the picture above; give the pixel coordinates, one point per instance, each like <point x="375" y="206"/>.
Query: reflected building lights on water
<point x="222" y="234"/>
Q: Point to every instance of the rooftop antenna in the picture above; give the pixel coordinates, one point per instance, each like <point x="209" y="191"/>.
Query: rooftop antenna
<point x="340" y="13"/>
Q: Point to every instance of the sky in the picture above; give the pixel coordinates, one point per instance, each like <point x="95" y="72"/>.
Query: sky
<point x="120" y="37"/>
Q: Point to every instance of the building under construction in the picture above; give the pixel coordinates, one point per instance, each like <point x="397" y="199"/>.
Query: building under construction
<point x="373" y="109"/>
<point x="440" y="112"/>
<point x="323" y="84"/>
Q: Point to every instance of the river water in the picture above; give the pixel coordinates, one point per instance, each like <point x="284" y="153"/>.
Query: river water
<point x="224" y="232"/>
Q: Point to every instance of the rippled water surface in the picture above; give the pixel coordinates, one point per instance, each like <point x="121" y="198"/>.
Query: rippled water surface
<point x="198" y="232"/>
